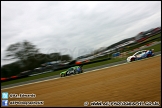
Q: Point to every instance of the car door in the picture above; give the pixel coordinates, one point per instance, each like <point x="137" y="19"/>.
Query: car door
<point x="141" y="54"/>
<point x="138" y="54"/>
<point x="144" y="54"/>
<point x="70" y="71"/>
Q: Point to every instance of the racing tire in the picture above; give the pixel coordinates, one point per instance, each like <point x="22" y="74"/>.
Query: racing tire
<point x="62" y="75"/>
<point x="132" y="59"/>
<point x="81" y="71"/>
<point x="149" y="55"/>
<point x="67" y="74"/>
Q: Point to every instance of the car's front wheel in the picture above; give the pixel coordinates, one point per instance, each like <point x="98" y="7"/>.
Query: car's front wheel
<point x="132" y="59"/>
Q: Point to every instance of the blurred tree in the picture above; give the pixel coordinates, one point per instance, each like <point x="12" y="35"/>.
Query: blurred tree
<point x="24" y="53"/>
<point x="21" y="51"/>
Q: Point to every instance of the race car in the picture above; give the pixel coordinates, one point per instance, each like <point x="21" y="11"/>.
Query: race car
<point x="140" y="55"/>
<point x="72" y="70"/>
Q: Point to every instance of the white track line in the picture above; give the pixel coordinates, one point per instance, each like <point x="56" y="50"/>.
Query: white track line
<point x="77" y="74"/>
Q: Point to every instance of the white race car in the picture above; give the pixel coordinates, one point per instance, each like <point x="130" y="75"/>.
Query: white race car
<point x="140" y="55"/>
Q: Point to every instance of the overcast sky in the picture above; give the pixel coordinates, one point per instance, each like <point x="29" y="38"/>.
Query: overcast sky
<point x="74" y="28"/>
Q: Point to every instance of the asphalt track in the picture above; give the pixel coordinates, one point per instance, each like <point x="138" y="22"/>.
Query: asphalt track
<point x="56" y="76"/>
<point x="136" y="81"/>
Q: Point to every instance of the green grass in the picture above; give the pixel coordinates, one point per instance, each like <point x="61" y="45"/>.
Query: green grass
<point x="155" y="47"/>
<point x="155" y="36"/>
<point x="103" y="62"/>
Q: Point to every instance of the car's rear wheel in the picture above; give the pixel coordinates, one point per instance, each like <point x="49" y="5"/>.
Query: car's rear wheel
<point x="81" y="71"/>
<point x="149" y="55"/>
